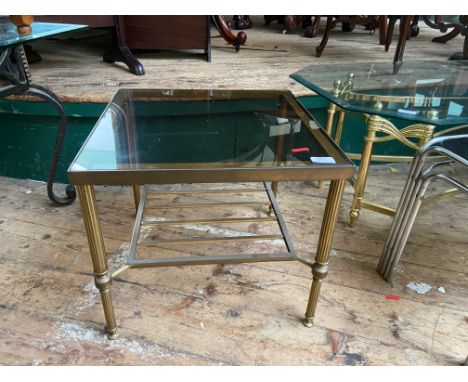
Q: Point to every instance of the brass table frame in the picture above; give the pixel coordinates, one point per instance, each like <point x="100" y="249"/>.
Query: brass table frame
<point x="337" y="175"/>
<point x="414" y="136"/>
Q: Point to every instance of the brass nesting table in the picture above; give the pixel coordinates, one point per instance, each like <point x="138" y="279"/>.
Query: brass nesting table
<point x="150" y="138"/>
<point x="431" y="95"/>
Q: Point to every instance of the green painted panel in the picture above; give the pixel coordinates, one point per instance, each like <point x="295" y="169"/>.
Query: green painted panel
<point x="28" y="132"/>
<point x="27" y="137"/>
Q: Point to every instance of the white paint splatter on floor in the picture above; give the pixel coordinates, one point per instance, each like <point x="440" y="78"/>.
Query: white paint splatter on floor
<point x="75" y="332"/>
<point x="420" y="288"/>
<point x="216" y="231"/>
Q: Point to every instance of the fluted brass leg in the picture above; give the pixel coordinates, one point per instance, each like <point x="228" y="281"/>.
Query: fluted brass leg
<point x="363" y="170"/>
<point x="329" y="129"/>
<point x="320" y="266"/>
<point x="136" y="195"/>
<point x="102" y="277"/>
<point x="274" y="188"/>
<point x="339" y="127"/>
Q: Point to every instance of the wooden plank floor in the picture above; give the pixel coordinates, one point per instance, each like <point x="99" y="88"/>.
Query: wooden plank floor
<point x="238" y="314"/>
<point x="76" y="72"/>
<point x="235" y="314"/>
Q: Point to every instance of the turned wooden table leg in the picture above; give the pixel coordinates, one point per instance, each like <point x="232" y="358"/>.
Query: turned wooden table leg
<point x="23" y="23"/>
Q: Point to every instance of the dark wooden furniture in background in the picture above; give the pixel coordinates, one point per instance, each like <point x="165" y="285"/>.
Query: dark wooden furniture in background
<point x="225" y="31"/>
<point x="168" y="32"/>
<point x="242" y="22"/>
<point x="145" y="32"/>
<point x="153" y="33"/>
<point x="459" y="28"/>
<point x="407" y="29"/>
<point x="23" y="23"/>
<point x="313" y="29"/>
<point x="348" y="24"/>
<point x="289" y="22"/>
<point x="118" y="51"/>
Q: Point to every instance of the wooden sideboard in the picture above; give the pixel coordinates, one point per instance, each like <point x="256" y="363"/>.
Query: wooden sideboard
<point x="146" y="33"/>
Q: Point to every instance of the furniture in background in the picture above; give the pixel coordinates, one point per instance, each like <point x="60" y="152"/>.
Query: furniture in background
<point x="289" y="22"/>
<point x="292" y="22"/>
<point x="450" y="149"/>
<point x="23" y="23"/>
<point x="428" y="94"/>
<point x="225" y="31"/>
<point x="17" y="79"/>
<point x="459" y="27"/>
<point x="155" y="137"/>
<point x="146" y="32"/>
<point x="408" y="27"/>
<point x="242" y="22"/>
<point x="136" y="32"/>
<point x="349" y="22"/>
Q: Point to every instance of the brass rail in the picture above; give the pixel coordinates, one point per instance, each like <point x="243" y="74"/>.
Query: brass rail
<point x="208" y="221"/>
<point x="232" y="191"/>
<point x="153" y="243"/>
<point x="205" y="205"/>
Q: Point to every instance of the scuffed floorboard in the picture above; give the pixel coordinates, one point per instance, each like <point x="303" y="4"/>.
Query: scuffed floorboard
<point x="240" y="314"/>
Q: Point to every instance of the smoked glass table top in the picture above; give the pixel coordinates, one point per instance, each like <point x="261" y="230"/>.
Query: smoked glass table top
<point x="428" y="92"/>
<point x="170" y="136"/>
<point x="9" y="35"/>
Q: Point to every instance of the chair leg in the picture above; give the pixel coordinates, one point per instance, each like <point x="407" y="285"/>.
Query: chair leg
<point x="414" y="26"/>
<point x="405" y="24"/>
<point x="383" y="22"/>
<point x="389" y="35"/>
<point x="326" y="35"/>
<point x="313" y="30"/>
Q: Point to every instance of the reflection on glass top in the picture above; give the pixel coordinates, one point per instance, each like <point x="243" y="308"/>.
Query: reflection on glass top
<point x="174" y="129"/>
<point x="423" y="91"/>
<point x="10" y="36"/>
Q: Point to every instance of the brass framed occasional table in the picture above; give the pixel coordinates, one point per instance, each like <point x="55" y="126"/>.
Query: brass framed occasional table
<point x="431" y="95"/>
<point x="150" y="138"/>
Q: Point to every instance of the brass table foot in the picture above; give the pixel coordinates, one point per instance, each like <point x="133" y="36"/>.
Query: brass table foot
<point x="112" y="335"/>
<point x="353" y="216"/>
<point x="308" y="322"/>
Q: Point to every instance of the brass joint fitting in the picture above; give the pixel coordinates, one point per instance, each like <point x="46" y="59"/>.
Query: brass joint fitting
<point x="319" y="270"/>
<point x="103" y="281"/>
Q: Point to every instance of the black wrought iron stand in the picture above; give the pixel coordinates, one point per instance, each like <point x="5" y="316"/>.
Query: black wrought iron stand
<point x="14" y="68"/>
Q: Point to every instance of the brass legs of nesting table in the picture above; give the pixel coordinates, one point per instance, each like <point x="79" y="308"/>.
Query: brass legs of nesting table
<point x="375" y="125"/>
<point x="413" y="136"/>
<point x="103" y="278"/>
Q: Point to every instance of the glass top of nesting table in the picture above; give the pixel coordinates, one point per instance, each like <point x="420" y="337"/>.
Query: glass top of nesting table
<point x="423" y="91"/>
<point x="177" y="136"/>
<point x="9" y="34"/>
